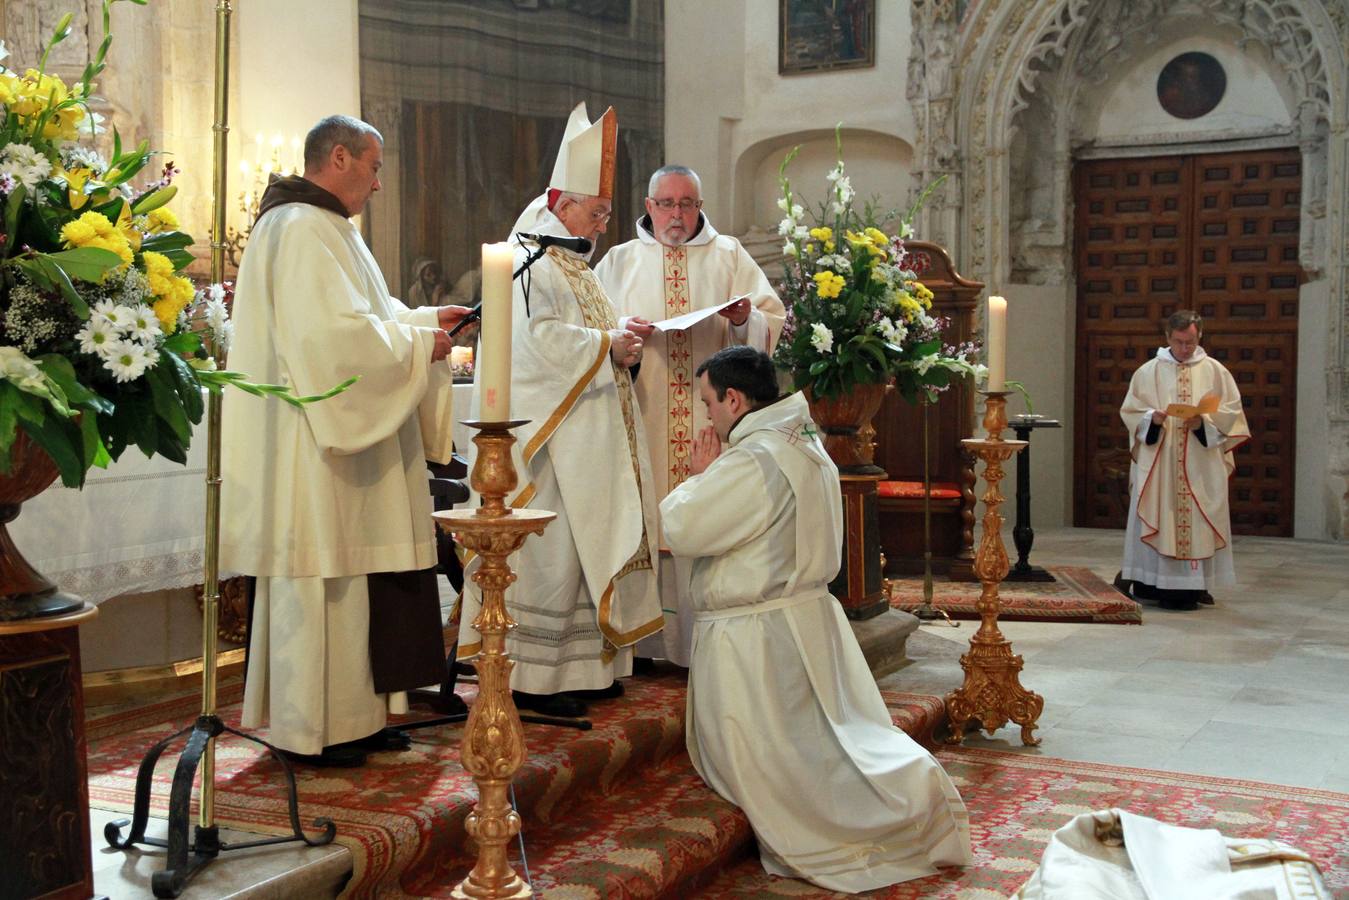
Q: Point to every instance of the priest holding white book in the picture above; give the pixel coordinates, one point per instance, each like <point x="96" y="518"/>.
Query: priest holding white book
<point x="1185" y="419"/>
<point x="586" y="588"/>
<point x="679" y="264"/>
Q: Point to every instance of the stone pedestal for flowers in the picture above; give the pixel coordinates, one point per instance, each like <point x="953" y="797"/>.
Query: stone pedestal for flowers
<point x="24" y="592"/>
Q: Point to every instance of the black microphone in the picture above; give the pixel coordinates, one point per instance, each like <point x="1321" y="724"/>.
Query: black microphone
<point x="574" y="244"/>
<point x="472" y="316"/>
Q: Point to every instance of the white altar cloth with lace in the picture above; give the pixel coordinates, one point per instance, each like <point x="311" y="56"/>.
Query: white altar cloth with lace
<point x="137" y="526"/>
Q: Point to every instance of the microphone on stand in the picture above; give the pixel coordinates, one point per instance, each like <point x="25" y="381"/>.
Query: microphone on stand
<point x="574" y="244"/>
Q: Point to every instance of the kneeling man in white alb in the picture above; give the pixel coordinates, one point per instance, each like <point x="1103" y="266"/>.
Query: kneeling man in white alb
<point x="784" y="718"/>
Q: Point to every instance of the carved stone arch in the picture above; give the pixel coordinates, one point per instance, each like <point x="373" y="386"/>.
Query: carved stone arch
<point x="1007" y="55"/>
<point x="1013" y="54"/>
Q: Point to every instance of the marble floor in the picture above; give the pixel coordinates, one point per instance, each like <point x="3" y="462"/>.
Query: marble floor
<point x="1253" y="687"/>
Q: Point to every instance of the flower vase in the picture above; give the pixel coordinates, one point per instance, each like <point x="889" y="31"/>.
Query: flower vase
<point x="846" y="423"/>
<point x="24" y="592"/>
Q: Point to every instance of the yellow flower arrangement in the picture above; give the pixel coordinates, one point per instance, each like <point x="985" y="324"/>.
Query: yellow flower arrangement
<point x="855" y="314"/>
<point x="93" y="353"/>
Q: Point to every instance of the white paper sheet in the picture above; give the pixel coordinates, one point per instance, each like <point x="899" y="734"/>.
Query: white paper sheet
<point x="689" y="319"/>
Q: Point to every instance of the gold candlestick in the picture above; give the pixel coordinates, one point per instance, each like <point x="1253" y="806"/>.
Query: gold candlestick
<point x="992" y="692"/>
<point x="494" y="741"/>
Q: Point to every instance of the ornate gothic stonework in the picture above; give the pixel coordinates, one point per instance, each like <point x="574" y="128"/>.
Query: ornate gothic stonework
<point x="1022" y="72"/>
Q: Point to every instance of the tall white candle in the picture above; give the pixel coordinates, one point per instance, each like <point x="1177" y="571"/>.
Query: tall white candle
<point x="995" y="343"/>
<point x="495" y="359"/>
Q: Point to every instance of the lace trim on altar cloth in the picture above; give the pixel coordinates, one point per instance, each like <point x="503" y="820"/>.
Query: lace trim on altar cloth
<point x="98" y="583"/>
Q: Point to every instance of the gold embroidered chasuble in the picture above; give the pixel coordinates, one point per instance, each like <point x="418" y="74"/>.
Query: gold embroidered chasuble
<point x="598" y="313"/>
<point x="1180" y="485"/>
<point x="587" y="586"/>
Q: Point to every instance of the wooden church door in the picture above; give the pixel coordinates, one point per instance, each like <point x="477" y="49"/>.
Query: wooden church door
<point x="1217" y="233"/>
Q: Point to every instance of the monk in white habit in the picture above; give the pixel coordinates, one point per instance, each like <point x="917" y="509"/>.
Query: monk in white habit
<point x="1178" y="539"/>
<point x="784" y="718"/>
<point x="677" y="264"/>
<point x="586" y="589"/>
<point x="327" y="504"/>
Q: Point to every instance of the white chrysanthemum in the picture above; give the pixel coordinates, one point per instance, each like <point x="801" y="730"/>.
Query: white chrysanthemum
<point x="115" y="314"/>
<point x="24" y="164"/>
<point x="96" y="335"/>
<point x="126" y="360"/>
<point x="821" y="338"/>
<point x="77" y="157"/>
<point x="144" y="325"/>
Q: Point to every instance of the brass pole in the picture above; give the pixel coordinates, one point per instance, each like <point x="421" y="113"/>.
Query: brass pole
<point x="211" y="578"/>
<point x="927" y="612"/>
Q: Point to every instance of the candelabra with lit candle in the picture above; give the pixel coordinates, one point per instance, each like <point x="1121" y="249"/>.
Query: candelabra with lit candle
<point x="272" y="159"/>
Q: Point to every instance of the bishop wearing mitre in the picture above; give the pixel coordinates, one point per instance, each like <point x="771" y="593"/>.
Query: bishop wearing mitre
<point x="586" y="589"/>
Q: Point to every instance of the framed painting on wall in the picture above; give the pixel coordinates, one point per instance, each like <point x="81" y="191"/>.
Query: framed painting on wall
<point x="825" y="35"/>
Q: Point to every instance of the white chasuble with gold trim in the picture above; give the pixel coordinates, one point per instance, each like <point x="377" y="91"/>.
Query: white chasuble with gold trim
<point x="586" y="588"/>
<point x="1179" y="533"/>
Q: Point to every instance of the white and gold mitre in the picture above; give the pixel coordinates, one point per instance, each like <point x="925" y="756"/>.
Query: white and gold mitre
<point x="587" y="159"/>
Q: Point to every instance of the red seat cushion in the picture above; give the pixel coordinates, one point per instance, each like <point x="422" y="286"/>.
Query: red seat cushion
<point x="913" y="490"/>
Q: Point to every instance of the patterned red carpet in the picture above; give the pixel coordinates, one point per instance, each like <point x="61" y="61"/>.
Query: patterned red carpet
<point x="618" y="812"/>
<point x="1077" y="596"/>
<point x="1017" y="801"/>
<point x="614" y="812"/>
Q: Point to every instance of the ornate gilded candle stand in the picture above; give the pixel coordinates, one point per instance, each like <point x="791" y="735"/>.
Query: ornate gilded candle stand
<point x="494" y="741"/>
<point x="992" y="692"/>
